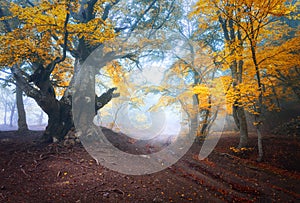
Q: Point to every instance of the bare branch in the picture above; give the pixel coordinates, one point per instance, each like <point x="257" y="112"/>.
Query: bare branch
<point x="105" y="98"/>
<point x="24" y="85"/>
<point x="108" y="8"/>
<point x="8" y="81"/>
<point x="3" y="71"/>
<point x="142" y="15"/>
<point x="66" y="34"/>
<point x="30" y="3"/>
<point x="171" y="9"/>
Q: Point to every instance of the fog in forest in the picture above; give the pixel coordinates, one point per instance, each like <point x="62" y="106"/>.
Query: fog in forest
<point x="35" y="117"/>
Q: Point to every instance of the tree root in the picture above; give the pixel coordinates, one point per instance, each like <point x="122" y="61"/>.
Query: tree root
<point x="23" y="171"/>
<point x="116" y="190"/>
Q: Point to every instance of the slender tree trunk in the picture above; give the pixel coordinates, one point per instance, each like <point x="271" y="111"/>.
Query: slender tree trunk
<point x="259" y="143"/>
<point x="22" y="125"/>
<point x="242" y="127"/>
<point x="258" y="121"/>
<point x="231" y="36"/>
<point x="5" y="113"/>
<point x="12" y="112"/>
<point x="204" y="127"/>
<point x="115" y="117"/>
<point x="235" y="116"/>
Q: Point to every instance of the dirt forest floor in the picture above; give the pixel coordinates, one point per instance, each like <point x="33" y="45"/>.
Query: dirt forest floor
<point x="52" y="173"/>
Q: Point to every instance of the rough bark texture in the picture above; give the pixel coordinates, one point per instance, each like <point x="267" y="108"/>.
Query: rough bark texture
<point x="40" y="88"/>
<point x="241" y="121"/>
<point x="59" y="121"/>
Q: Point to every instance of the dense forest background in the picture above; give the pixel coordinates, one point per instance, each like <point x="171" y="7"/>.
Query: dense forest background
<point x="205" y="57"/>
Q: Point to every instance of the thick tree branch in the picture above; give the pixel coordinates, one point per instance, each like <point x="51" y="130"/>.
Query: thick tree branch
<point x="24" y="85"/>
<point x="90" y="14"/>
<point x="5" y="22"/>
<point x="108" y="8"/>
<point x="102" y="100"/>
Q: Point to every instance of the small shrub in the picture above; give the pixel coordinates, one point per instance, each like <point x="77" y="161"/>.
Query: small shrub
<point x="243" y="152"/>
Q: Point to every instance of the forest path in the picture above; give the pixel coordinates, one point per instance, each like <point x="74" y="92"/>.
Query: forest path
<point x="52" y="173"/>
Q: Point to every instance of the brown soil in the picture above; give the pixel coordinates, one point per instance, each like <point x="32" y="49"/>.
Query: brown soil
<point x="31" y="172"/>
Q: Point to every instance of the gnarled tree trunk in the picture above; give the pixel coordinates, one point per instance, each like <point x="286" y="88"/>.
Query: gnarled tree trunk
<point x="59" y="120"/>
<point x="59" y="112"/>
